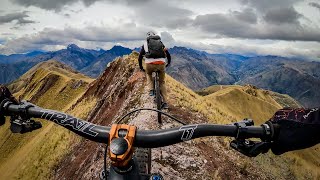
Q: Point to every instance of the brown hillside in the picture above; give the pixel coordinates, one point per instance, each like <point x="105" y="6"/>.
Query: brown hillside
<point x="34" y="155"/>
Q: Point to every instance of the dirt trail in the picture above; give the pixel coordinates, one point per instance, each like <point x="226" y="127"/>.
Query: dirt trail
<point x="174" y="161"/>
<point x="204" y="158"/>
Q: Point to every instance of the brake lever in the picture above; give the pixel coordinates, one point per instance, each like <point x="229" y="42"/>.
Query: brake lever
<point x="22" y="126"/>
<point x="250" y="148"/>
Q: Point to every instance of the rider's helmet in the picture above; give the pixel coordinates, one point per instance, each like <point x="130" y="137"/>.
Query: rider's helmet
<point x="150" y="33"/>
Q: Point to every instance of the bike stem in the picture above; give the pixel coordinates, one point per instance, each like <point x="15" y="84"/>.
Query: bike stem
<point x="121" y="138"/>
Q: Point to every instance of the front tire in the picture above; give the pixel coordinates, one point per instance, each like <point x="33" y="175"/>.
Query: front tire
<point x="158" y="97"/>
<point x="143" y="156"/>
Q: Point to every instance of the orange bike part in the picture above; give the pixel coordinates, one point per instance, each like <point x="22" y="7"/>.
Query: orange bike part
<point x="157" y="62"/>
<point x="122" y="160"/>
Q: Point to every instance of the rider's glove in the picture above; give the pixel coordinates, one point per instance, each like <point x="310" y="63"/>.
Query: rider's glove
<point x="2" y="120"/>
<point x="298" y="129"/>
<point x="5" y="94"/>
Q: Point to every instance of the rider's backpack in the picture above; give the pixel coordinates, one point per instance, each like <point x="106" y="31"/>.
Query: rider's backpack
<point x="155" y="48"/>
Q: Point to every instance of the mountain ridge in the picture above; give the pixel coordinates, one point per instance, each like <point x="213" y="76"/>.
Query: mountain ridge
<point x="117" y="96"/>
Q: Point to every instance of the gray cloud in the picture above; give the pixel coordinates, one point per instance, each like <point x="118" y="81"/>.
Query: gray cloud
<point x="247" y="15"/>
<point x="20" y="18"/>
<point x="7" y="34"/>
<point x="46" y="4"/>
<point x="314" y="4"/>
<point x="57" y="5"/>
<point x="168" y="39"/>
<point x="235" y="26"/>
<point x="263" y="19"/>
<point x="265" y="5"/>
<point x="67" y="15"/>
<point x="282" y="15"/>
<point x="76" y="11"/>
<point x="152" y="12"/>
<point x="68" y="35"/>
<point x="159" y="14"/>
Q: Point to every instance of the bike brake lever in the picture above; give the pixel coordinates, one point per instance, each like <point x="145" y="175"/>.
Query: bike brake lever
<point x="250" y="148"/>
<point x="23" y="126"/>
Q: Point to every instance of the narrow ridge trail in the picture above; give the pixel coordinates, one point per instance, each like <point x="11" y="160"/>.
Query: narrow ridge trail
<point x="190" y="159"/>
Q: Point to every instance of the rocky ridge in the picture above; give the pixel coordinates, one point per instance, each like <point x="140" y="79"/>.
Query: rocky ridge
<point x="122" y="88"/>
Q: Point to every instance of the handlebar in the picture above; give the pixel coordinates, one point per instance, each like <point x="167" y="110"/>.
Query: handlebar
<point x="143" y="138"/>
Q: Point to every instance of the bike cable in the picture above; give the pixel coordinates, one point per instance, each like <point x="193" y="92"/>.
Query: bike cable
<point x="105" y="162"/>
<point x="150" y="109"/>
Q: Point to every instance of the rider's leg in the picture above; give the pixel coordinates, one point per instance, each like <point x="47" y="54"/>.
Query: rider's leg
<point x="162" y="82"/>
<point x="149" y="69"/>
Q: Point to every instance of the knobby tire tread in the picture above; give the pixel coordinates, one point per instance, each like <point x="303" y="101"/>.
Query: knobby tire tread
<point x="143" y="156"/>
<point x="158" y="96"/>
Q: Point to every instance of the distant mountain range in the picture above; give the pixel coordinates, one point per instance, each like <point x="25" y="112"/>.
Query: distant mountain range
<point x="88" y="61"/>
<point x="195" y="69"/>
<point x="298" y="78"/>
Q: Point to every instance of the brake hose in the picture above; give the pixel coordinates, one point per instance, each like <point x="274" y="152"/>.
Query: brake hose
<point x="150" y="109"/>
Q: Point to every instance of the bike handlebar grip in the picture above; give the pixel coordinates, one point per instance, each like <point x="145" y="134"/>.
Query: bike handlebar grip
<point x="160" y="138"/>
<point x="81" y="127"/>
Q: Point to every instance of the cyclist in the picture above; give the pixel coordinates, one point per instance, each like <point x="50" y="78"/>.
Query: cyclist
<point x="155" y="54"/>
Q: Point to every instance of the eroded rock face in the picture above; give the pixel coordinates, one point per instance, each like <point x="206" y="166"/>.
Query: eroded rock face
<point x="118" y="91"/>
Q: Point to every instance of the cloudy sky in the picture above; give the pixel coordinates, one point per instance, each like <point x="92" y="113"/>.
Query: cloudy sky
<point x="276" y="27"/>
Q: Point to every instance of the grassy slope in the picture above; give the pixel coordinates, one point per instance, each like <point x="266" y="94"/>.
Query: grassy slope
<point x="225" y="104"/>
<point x="34" y="155"/>
<point x="283" y="99"/>
<point x="228" y="104"/>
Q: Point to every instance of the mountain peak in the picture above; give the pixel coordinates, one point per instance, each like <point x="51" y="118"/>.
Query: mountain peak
<point x="117" y="47"/>
<point x="119" y="50"/>
<point x="184" y="49"/>
<point x="179" y="48"/>
<point x="187" y="52"/>
<point x="73" y="47"/>
<point x="34" y="53"/>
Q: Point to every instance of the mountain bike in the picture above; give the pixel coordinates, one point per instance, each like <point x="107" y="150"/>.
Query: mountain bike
<point x="158" y="96"/>
<point x="121" y="139"/>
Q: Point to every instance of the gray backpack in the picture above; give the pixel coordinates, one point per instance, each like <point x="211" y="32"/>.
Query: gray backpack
<point x="155" y="48"/>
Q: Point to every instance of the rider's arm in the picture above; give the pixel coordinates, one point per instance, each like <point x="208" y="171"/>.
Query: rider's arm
<point x="299" y="129"/>
<point x="141" y="54"/>
<point x="5" y="94"/>
<point x="168" y="56"/>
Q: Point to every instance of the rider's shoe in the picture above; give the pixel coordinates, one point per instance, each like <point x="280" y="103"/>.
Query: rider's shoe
<point x="151" y="93"/>
<point x="164" y="106"/>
